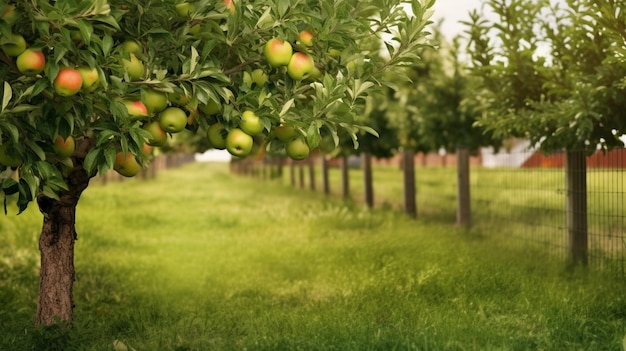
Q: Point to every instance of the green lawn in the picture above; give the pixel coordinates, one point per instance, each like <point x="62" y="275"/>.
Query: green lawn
<point x="201" y="260"/>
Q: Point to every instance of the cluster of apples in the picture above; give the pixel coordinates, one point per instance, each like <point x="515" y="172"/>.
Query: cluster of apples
<point x="248" y="134"/>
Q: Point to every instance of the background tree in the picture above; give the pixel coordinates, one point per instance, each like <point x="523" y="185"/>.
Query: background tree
<point x="553" y="73"/>
<point x="87" y="84"/>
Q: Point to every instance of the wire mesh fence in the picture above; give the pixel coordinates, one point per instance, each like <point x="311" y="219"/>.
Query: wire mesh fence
<point x="520" y="195"/>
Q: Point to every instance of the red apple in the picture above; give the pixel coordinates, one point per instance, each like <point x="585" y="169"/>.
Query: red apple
<point x="136" y="109"/>
<point x="300" y="65"/>
<point x="64" y="147"/>
<point x="306" y="37"/>
<point x="31" y="62"/>
<point x="68" y="82"/>
<point x="126" y="164"/>
<point x="277" y="52"/>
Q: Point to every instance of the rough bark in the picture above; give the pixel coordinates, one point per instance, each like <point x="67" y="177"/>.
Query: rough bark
<point x="56" y="245"/>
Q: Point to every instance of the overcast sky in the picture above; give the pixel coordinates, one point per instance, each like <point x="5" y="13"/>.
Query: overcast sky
<point x="453" y="11"/>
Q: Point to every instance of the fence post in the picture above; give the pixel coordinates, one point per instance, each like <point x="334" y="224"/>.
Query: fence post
<point x="408" y="175"/>
<point x="576" y="187"/>
<point x="345" y="177"/>
<point x="463" y="214"/>
<point x="311" y="162"/>
<point x="367" y="179"/>
<point x="325" y="180"/>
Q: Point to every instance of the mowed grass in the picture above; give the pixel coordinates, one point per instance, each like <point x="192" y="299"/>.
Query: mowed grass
<point x="198" y="259"/>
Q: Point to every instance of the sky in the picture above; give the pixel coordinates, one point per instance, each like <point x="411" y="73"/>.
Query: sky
<point x="453" y="11"/>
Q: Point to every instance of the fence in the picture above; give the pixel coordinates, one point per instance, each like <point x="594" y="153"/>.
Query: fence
<point x="521" y="195"/>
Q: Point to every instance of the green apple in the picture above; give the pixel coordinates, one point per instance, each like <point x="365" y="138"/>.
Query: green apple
<point x="217" y="136"/>
<point x="173" y="119"/>
<point x="277" y="52"/>
<point x="134" y="67"/>
<point x="306" y="37"/>
<point x="178" y="99"/>
<point x="185" y="8"/>
<point x="126" y="164"/>
<point x="6" y="159"/>
<point x="327" y="144"/>
<point x="158" y="136"/>
<point x="13" y="44"/>
<point x="250" y="123"/>
<point x="68" y="82"/>
<point x="285" y="132"/>
<point x="154" y="100"/>
<point x="239" y="143"/>
<point x="300" y="65"/>
<point x="136" y="109"/>
<point x="91" y="78"/>
<point x="211" y="108"/>
<point x="131" y="46"/>
<point x="297" y="149"/>
<point x="9" y="15"/>
<point x="31" y="62"/>
<point x="64" y="147"/>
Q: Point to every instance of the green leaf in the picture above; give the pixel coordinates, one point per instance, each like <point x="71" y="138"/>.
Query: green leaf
<point x="7" y="95"/>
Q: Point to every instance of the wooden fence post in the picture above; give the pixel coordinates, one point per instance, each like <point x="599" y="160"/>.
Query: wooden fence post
<point x="408" y="172"/>
<point x="463" y="214"/>
<point x="576" y="187"/>
<point x="325" y="180"/>
<point x="368" y="182"/>
<point x="311" y="162"/>
<point x="345" y="177"/>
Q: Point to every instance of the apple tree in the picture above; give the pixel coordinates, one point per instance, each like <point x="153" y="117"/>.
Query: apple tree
<point x="92" y="86"/>
<point x="553" y="72"/>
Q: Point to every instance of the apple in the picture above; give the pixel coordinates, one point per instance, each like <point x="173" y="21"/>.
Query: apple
<point x="306" y="37"/>
<point x="327" y="144"/>
<point x="31" y="62"/>
<point x="300" y="65"/>
<point x="64" y="147"/>
<point x="178" y="99"/>
<point x="131" y="46"/>
<point x="158" y="136"/>
<point x="211" y="108"/>
<point x="250" y="123"/>
<point x="13" y="44"/>
<point x="185" y="8"/>
<point x="6" y="159"/>
<point x="68" y="82"/>
<point x="285" y="132"/>
<point x="154" y="100"/>
<point x="277" y="52"/>
<point x="297" y="149"/>
<point x="217" y="136"/>
<point x="134" y="67"/>
<point x="146" y="149"/>
<point x="239" y="143"/>
<point x="173" y="119"/>
<point x="9" y="15"/>
<point x="136" y="109"/>
<point x="126" y="164"/>
<point x="231" y="6"/>
<point x="91" y="78"/>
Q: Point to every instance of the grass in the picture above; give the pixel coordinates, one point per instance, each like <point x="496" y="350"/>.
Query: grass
<point x="201" y="260"/>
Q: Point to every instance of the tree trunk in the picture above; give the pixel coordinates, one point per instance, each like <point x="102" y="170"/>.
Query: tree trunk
<point x="56" y="245"/>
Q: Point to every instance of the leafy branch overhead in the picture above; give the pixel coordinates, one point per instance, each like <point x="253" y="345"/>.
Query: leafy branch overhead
<point x="120" y="78"/>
